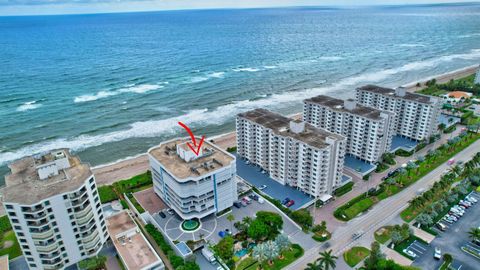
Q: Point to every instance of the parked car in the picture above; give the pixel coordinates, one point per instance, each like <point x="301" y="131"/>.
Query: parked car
<point x="253" y="197"/>
<point x="262" y="187"/>
<point x="441" y="226"/>
<point x="438" y="253"/>
<point x="290" y="203"/>
<point x="244" y="203"/>
<point x="237" y="204"/>
<point x="247" y="162"/>
<point x="409" y="253"/>
<point x="471" y="199"/>
<point x="162" y="215"/>
<point x="285" y="201"/>
<point x="170" y="211"/>
<point x="261" y="200"/>
<point x="448" y="220"/>
<point x="247" y="200"/>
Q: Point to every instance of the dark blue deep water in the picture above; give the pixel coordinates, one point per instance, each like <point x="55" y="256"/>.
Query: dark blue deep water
<point x="112" y="85"/>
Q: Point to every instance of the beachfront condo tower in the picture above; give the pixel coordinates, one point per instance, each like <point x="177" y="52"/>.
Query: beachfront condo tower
<point x="416" y="116"/>
<point x="53" y="205"/>
<point x="194" y="186"/>
<point x="477" y="76"/>
<point x="293" y="152"/>
<point x="369" y="131"/>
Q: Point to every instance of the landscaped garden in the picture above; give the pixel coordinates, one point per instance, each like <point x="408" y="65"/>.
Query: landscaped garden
<point x="355" y="255"/>
<point x="8" y="241"/>
<point x="406" y="176"/>
<point x="433" y="204"/>
<point x="257" y="243"/>
<point x="401" y="246"/>
<point x="320" y="232"/>
<point x="383" y="234"/>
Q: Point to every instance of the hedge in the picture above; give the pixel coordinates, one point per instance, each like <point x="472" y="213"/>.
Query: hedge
<point x="343" y="189"/>
<point x="5" y="224"/>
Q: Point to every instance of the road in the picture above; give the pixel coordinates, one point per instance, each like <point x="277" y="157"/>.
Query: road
<point x="325" y="213"/>
<point x="381" y="213"/>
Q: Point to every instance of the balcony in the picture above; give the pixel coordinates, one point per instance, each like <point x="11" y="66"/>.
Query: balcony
<point x="90" y="237"/>
<point x="42" y="235"/>
<point x="49" y="248"/>
<point x="93" y="243"/>
<point x="85" y="219"/>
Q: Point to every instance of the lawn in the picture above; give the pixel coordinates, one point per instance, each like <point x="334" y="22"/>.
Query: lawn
<point x="289" y="257"/>
<point x="382" y="235"/>
<point x="13" y="250"/>
<point x="134" y="184"/>
<point x="355" y="255"/>
<point x="355" y="206"/>
<point x="318" y="236"/>
<point x="358" y="208"/>
<point x="107" y="194"/>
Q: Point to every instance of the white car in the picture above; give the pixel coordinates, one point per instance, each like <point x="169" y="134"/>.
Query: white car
<point x="471" y="199"/>
<point x="438" y="253"/>
<point x="262" y="187"/>
<point x="410" y="253"/>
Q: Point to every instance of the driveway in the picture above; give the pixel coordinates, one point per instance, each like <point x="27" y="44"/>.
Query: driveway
<point x="212" y="225"/>
<point x="452" y="240"/>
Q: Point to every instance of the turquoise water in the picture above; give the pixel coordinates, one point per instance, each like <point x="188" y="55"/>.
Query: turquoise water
<point x="112" y="85"/>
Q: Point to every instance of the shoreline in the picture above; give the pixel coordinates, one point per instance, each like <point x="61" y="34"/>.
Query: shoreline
<point x="107" y="174"/>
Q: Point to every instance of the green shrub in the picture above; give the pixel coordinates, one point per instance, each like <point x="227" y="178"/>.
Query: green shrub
<point x="124" y="204"/>
<point x="343" y="189"/>
<point x="5" y="224"/>
<point x="232" y="149"/>
<point x="403" y="153"/>
<point x="135" y="183"/>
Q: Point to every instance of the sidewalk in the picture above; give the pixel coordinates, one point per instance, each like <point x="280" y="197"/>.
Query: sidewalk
<point x="361" y="186"/>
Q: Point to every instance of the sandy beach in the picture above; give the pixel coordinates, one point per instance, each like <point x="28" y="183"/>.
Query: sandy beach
<point x="124" y="169"/>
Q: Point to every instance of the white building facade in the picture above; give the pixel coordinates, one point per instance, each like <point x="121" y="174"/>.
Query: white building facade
<point x="54" y="208"/>
<point x="416" y="116"/>
<point x="194" y="186"/>
<point x="294" y="153"/>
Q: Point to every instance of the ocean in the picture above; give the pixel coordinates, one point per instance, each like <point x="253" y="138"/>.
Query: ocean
<point x="110" y="86"/>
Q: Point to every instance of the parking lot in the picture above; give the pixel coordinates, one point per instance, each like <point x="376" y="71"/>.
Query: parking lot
<point x="451" y="240"/>
<point x="418" y="248"/>
<point x="253" y="175"/>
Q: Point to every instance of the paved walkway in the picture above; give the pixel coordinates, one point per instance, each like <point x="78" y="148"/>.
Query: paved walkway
<point x="397" y="257"/>
<point x="361" y="186"/>
<point x="422" y="234"/>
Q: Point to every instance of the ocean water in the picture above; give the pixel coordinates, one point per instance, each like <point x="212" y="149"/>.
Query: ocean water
<point x="110" y="86"/>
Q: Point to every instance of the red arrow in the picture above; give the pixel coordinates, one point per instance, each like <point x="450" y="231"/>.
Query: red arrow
<point x="198" y="147"/>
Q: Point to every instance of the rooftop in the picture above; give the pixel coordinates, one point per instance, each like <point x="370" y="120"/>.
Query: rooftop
<point x="280" y="125"/>
<point x="211" y="158"/>
<point x="459" y="94"/>
<point x="24" y="186"/>
<point x="4" y="262"/>
<point x="391" y="92"/>
<point x="338" y="105"/>
<point x="133" y="248"/>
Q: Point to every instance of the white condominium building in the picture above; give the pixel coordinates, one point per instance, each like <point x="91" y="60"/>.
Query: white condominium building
<point x="54" y="208"/>
<point x="416" y="116"/>
<point x="294" y="153"/>
<point x="369" y="131"/>
<point x="194" y="186"/>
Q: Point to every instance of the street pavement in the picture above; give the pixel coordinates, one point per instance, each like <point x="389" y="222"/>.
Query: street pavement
<point x="361" y="186"/>
<point x="380" y="215"/>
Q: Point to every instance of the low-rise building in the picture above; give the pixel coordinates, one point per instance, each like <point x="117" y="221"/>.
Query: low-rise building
<point x="369" y="131"/>
<point x="133" y="248"/>
<point x="456" y="96"/>
<point x="293" y="152"/>
<point x="416" y="115"/>
<point x="193" y="185"/>
<point x="53" y="205"/>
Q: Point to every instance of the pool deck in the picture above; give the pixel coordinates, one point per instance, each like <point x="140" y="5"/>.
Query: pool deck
<point x="253" y="176"/>
<point x="399" y="142"/>
<point x="359" y="166"/>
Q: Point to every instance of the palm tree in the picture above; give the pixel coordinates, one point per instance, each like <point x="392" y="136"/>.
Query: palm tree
<point x="416" y="203"/>
<point x="314" y="266"/>
<point x="282" y="243"/>
<point x="327" y="260"/>
<point x="456" y="170"/>
<point x="231" y="218"/>
<point x="424" y="219"/>
<point x="396" y="237"/>
<point x="259" y="254"/>
<point x="271" y="251"/>
<point x="475" y="234"/>
<point x="390" y="182"/>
